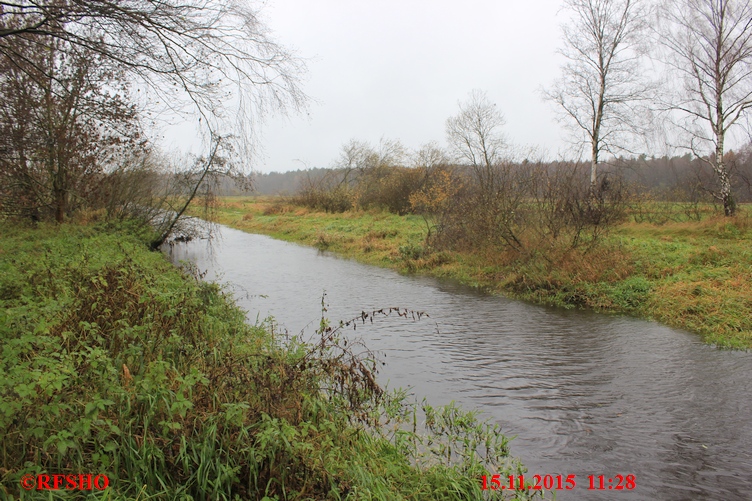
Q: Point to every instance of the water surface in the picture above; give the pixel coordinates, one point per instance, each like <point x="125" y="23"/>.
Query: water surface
<point x="585" y="394"/>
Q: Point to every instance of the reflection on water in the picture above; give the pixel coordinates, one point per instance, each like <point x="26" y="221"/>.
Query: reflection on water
<point x="585" y="394"/>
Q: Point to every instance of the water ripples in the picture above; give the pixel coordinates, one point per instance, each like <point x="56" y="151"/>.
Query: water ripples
<point x="585" y="394"/>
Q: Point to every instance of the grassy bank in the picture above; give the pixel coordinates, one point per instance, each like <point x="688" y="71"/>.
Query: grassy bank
<point x="114" y="362"/>
<point x="691" y="275"/>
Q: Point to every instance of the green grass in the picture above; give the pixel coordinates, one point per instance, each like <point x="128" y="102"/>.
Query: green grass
<point x="114" y="362"/>
<point x="372" y="237"/>
<point x="694" y="275"/>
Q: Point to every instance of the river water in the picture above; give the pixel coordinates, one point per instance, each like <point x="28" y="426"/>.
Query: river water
<point x="584" y="393"/>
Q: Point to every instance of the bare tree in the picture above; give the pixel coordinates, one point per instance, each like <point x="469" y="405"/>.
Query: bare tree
<point x="210" y="59"/>
<point x="354" y="156"/>
<point x="710" y="46"/>
<point x="474" y="135"/>
<point x="600" y="92"/>
<point x="489" y="205"/>
<point x="358" y="159"/>
<point x="429" y="157"/>
<point x="438" y="185"/>
<point x="205" y="49"/>
<point x="64" y="116"/>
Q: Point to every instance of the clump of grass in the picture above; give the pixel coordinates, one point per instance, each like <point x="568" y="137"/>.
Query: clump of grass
<point x="113" y="362"/>
<point x="322" y="241"/>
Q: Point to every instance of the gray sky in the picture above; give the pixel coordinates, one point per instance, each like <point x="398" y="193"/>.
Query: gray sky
<point x="397" y="69"/>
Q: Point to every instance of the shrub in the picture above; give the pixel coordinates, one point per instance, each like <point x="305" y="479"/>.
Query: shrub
<point x="531" y="208"/>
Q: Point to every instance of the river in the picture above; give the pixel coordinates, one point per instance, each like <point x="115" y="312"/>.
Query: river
<point x="584" y="393"/>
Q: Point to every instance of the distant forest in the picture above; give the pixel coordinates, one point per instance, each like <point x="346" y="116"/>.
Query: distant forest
<point x="665" y="178"/>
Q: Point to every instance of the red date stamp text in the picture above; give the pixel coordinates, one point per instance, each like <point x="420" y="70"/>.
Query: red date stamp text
<point x="557" y="482"/>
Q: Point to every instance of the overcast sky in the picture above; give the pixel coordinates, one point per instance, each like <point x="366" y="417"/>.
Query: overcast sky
<point x="397" y="69"/>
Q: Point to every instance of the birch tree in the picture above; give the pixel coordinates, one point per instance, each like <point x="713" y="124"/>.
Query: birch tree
<point x="600" y="94"/>
<point x="710" y="49"/>
<point x="475" y="137"/>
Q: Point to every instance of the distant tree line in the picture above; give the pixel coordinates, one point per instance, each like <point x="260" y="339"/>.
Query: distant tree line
<point x="502" y="202"/>
<point x="675" y="178"/>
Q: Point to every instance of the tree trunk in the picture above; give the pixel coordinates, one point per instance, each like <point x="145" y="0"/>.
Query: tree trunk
<point x="729" y="206"/>
<point x="593" y="189"/>
<point x="60" y="206"/>
<point x="595" y="138"/>
<point x="156" y="243"/>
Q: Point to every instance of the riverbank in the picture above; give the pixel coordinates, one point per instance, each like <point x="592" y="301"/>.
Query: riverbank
<point x="113" y="362"/>
<point x="694" y="275"/>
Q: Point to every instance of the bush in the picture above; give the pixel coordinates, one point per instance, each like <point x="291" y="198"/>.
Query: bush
<point x="388" y="188"/>
<point x="324" y="193"/>
<point x="531" y="208"/>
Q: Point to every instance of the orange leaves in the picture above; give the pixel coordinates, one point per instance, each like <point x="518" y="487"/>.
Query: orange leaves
<point x="435" y="195"/>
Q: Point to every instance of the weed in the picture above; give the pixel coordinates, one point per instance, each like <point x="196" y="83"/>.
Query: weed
<point x="113" y="362"/>
<point x="411" y="251"/>
<point x="323" y="241"/>
<point x="631" y="294"/>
